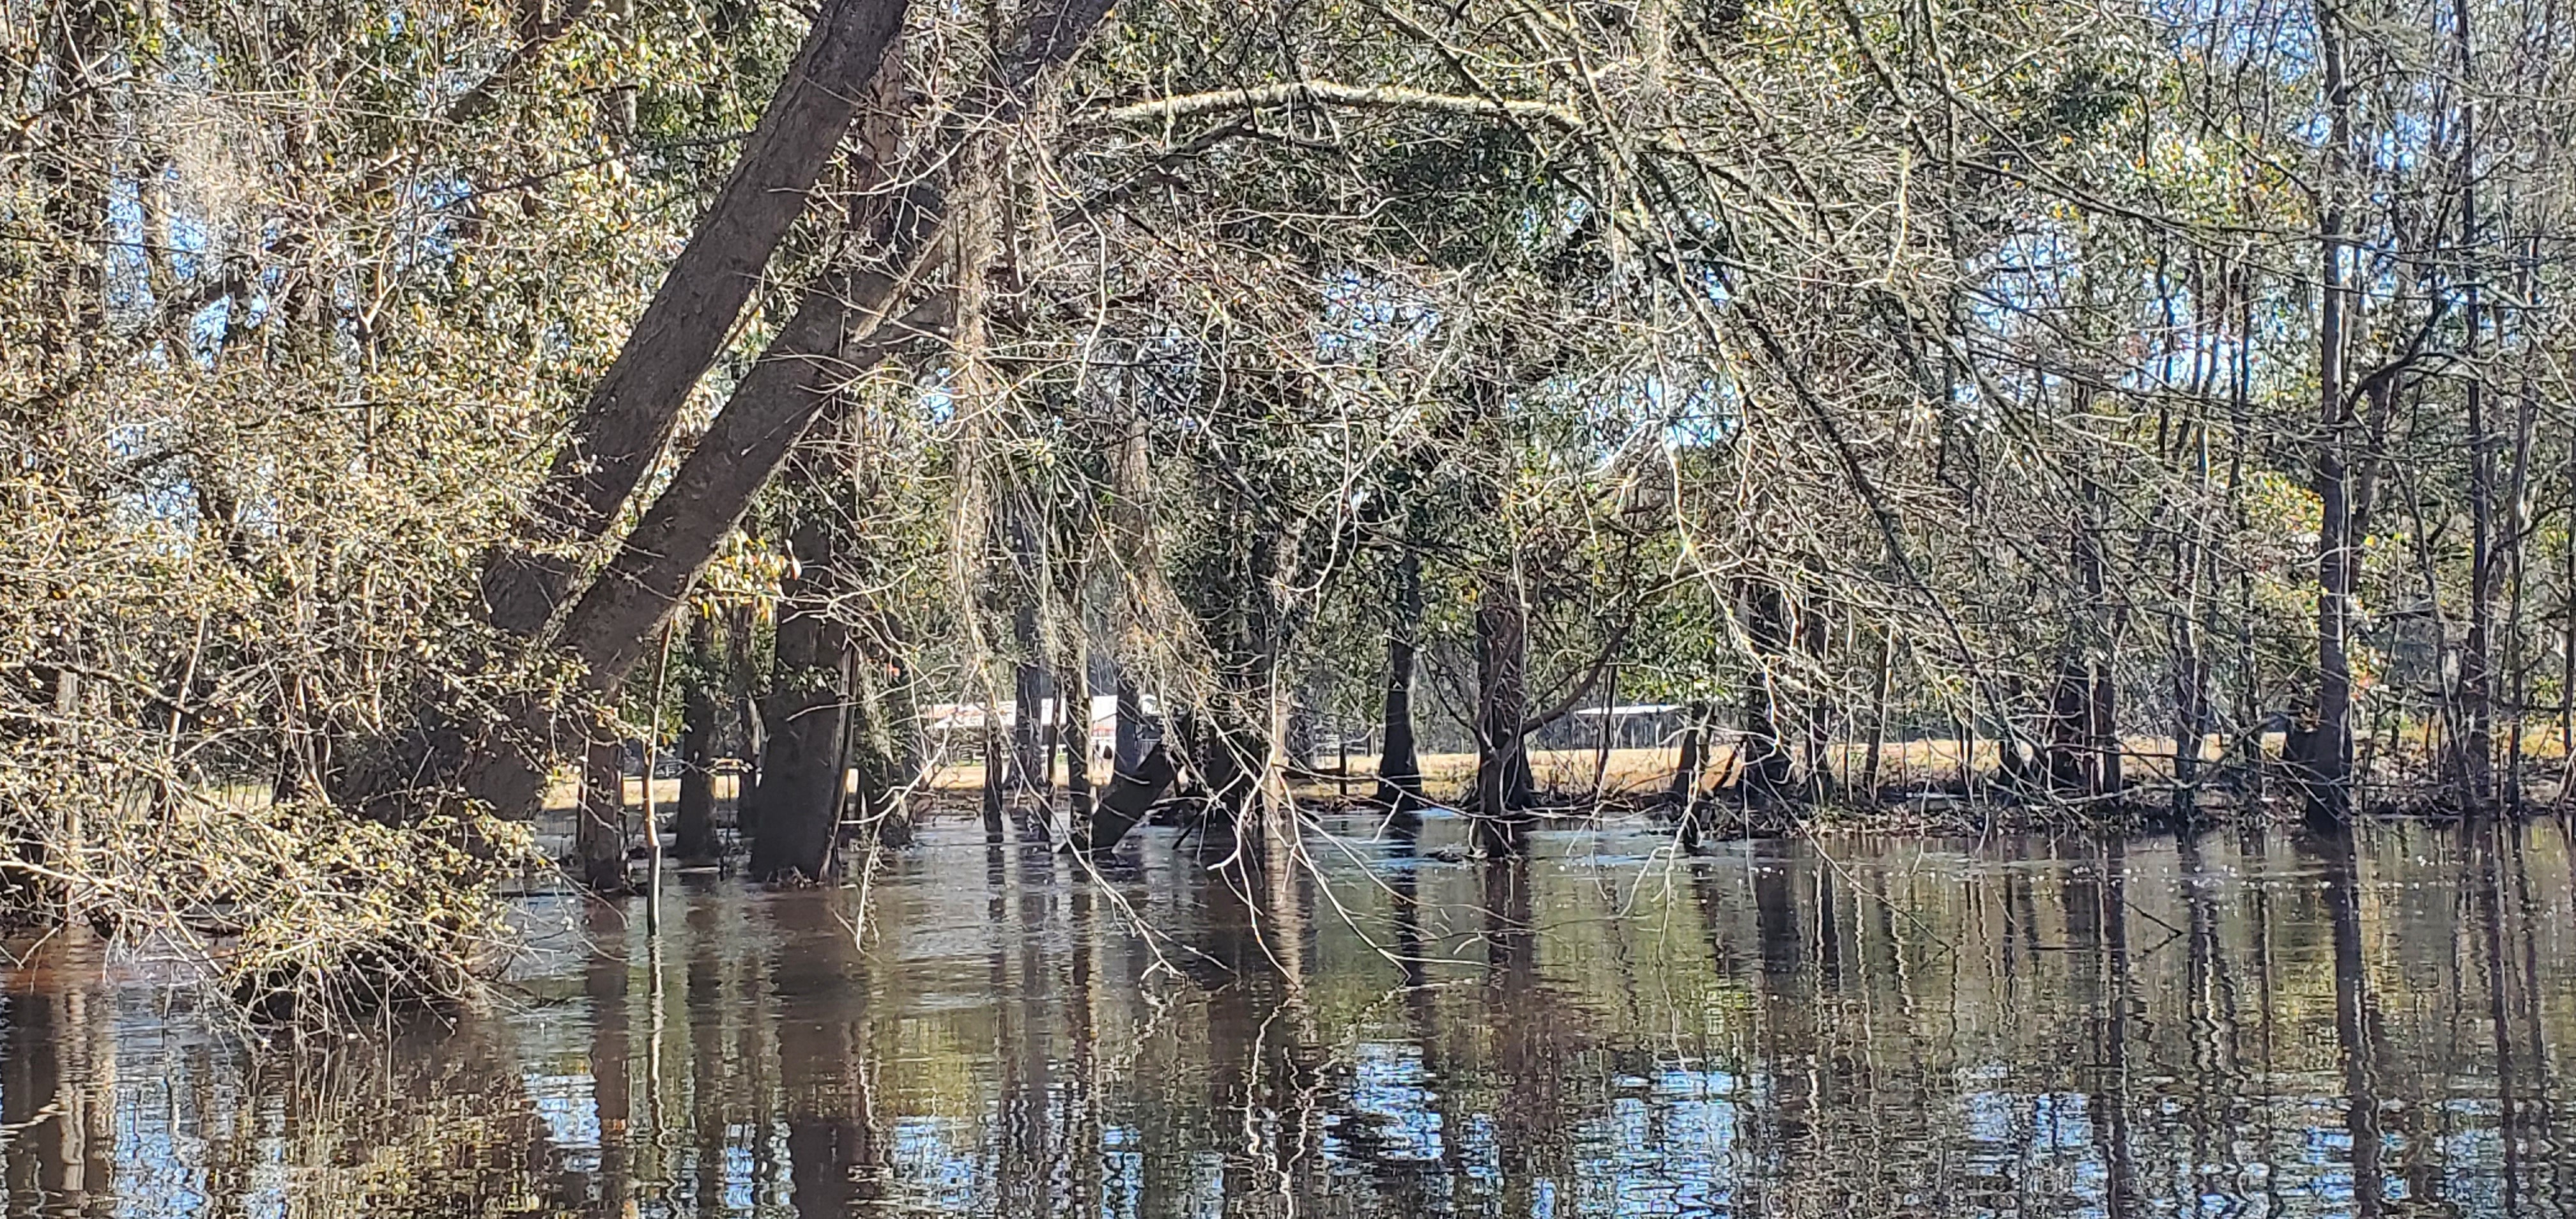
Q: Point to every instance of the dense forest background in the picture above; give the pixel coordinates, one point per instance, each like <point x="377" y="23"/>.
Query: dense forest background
<point x="2089" y="409"/>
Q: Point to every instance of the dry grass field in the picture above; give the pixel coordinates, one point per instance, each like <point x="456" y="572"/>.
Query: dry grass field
<point x="1903" y="764"/>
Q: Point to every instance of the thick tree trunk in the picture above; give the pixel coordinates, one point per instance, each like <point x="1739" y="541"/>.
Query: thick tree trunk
<point x="505" y="766"/>
<point x="1031" y="777"/>
<point x="1399" y="768"/>
<point x="628" y="419"/>
<point x="799" y="803"/>
<point x="694" y="829"/>
<point x="1766" y="771"/>
<point x="798" y="806"/>
<point x="1245" y="765"/>
<point x="1502" y="703"/>
<point x="599" y="824"/>
<point x="2070" y="728"/>
<point x="1130" y="749"/>
<point x="873" y="754"/>
<point x="1131" y="794"/>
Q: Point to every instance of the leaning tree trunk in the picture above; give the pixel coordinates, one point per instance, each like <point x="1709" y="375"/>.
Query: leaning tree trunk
<point x="1131" y="795"/>
<point x="505" y="768"/>
<point x="606" y="631"/>
<point x="631" y="411"/>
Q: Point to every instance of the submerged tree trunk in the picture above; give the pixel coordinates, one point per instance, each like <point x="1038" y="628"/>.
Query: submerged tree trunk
<point x="599" y="826"/>
<point x="1031" y="777"/>
<point x="1030" y="772"/>
<point x="1682" y="795"/>
<point x="1245" y="754"/>
<point x="803" y="782"/>
<point x="1074" y="697"/>
<point x="1131" y="794"/>
<point x="2070" y="728"/>
<point x="1765" y="770"/>
<point x="874" y="752"/>
<point x="1502" y="703"/>
<point x="1399" y="767"/>
<point x="798" y="806"/>
<point x="1128" y="747"/>
<point x="504" y="765"/>
<point x="995" y="776"/>
<point x="2324" y="754"/>
<point x="1870" y="760"/>
<point x="694" y="829"/>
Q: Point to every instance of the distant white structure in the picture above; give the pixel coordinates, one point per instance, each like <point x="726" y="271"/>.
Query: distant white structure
<point x="969" y="718"/>
<point x="1631" y="725"/>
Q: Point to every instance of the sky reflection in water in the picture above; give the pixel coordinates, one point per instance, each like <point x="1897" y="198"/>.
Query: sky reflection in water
<point x="2245" y="1024"/>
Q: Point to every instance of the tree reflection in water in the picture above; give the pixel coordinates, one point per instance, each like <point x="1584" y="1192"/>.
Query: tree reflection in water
<point x="2241" y="1023"/>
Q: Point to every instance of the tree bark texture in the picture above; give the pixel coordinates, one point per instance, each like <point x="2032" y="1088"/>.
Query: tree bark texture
<point x="599" y="827"/>
<point x="631" y="411"/>
<point x="1399" y="768"/>
<point x="1502" y="703"/>
<point x="798" y="806"/>
<point x="1766" y="770"/>
<point x="693" y="834"/>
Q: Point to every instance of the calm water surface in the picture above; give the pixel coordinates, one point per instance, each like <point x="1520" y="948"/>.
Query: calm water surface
<point x="2242" y="1024"/>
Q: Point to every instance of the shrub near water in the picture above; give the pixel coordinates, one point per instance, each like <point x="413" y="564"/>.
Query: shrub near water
<point x="299" y="913"/>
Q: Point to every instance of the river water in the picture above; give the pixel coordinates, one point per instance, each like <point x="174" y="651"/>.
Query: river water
<point x="2247" y="1023"/>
